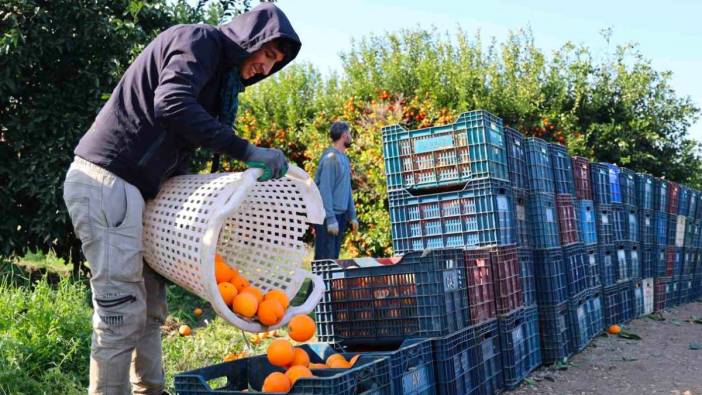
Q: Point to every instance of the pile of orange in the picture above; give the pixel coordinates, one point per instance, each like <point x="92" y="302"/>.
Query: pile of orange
<point x="247" y="300"/>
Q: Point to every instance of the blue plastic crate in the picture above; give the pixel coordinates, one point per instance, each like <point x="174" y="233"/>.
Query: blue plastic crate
<point x="526" y="263"/>
<point x="694" y="199"/>
<point x="690" y="230"/>
<point x="686" y="262"/>
<point x="520" y="198"/>
<point x="578" y="320"/>
<point x="684" y="200"/>
<point x="623" y="263"/>
<point x="672" y="294"/>
<point x="661" y="228"/>
<point x="422" y="295"/>
<point x="411" y="367"/>
<point x="637" y="292"/>
<point x="576" y="268"/>
<point x="647" y="227"/>
<point x="481" y="214"/>
<point x="627" y="184"/>
<point x="551" y="280"/>
<point x="533" y="336"/>
<point x="471" y="148"/>
<point x="626" y="224"/>
<point x="604" y="219"/>
<point x="615" y="186"/>
<point x="562" y="169"/>
<point x="539" y="167"/>
<point x="555" y="332"/>
<point x="647" y="256"/>
<point x="601" y="186"/>
<point x="634" y="256"/>
<point x="469" y="361"/>
<point x="516" y="159"/>
<point x="587" y="221"/>
<point x="618" y="303"/>
<point x="645" y="187"/>
<point x="684" y="286"/>
<point x="595" y="312"/>
<point x="659" y="260"/>
<point x="514" y="346"/>
<point x="608" y="264"/>
<point x="592" y="257"/>
<point x="370" y="374"/>
<point x="676" y="230"/>
<point x="543" y="220"/>
<point x="660" y="195"/>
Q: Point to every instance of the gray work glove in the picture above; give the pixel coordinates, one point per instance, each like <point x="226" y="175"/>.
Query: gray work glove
<point x="271" y="160"/>
<point x="333" y="228"/>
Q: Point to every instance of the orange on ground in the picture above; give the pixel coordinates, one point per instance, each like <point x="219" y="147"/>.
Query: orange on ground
<point x="223" y="272"/>
<point x="240" y="282"/>
<point x="245" y="305"/>
<point x="280" y="296"/>
<point x="280" y="353"/>
<point x="301" y="328"/>
<point x="197" y="312"/>
<point x="297" y="372"/>
<point x="270" y="312"/>
<point x="276" y="382"/>
<point x="184" y="330"/>
<point x="301" y="358"/>
<point x="254" y="291"/>
<point x="614" y="329"/>
<point x="228" y="292"/>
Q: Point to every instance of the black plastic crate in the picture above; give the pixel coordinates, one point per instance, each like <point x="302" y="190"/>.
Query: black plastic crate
<point x="520" y="198"/>
<point x="627" y="183"/>
<point x="526" y="263"/>
<point x="578" y="321"/>
<point x="533" y="336"/>
<point x="469" y="361"/>
<point x="618" y="303"/>
<point x="647" y="227"/>
<point x="660" y="195"/>
<point x="507" y="279"/>
<point x="481" y="278"/>
<point x="422" y="295"/>
<point x="516" y="158"/>
<point x="592" y="258"/>
<point x="645" y="190"/>
<point x="539" y="166"/>
<point x="581" y="177"/>
<point x="555" y="333"/>
<point x="568" y="226"/>
<point x="608" y="264"/>
<point x="576" y="268"/>
<point x="543" y="220"/>
<point x="480" y="214"/>
<point x="604" y="218"/>
<point x="370" y="374"/>
<point x="551" y="280"/>
<point x="562" y="169"/>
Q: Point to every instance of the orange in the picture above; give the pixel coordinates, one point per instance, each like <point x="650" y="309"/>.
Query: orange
<point x="254" y="291"/>
<point x="339" y="364"/>
<point x="280" y="353"/>
<point x="245" y="305"/>
<point x="318" y="366"/>
<point x="184" y="330"/>
<point x="334" y="358"/>
<point x="353" y="360"/>
<point x="301" y="328"/>
<point x="197" y="312"/>
<point x="270" y="312"/>
<point x="223" y="272"/>
<point x="276" y="382"/>
<point x="614" y="329"/>
<point x="228" y="292"/>
<point x="301" y="358"/>
<point x="297" y="372"/>
<point x="230" y="357"/>
<point x="240" y="282"/>
<point x="280" y="296"/>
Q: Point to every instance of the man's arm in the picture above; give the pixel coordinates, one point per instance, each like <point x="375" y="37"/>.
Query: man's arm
<point x="192" y="57"/>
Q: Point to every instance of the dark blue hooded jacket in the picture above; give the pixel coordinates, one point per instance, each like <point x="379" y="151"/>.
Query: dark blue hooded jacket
<point x="168" y="100"/>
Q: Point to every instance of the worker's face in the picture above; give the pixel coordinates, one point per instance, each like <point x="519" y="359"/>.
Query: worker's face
<point x="261" y="62"/>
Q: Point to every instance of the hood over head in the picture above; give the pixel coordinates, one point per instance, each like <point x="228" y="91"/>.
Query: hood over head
<point x="248" y="32"/>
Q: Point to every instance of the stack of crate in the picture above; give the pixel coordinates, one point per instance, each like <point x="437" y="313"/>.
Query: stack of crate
<point x="648" y="241"/>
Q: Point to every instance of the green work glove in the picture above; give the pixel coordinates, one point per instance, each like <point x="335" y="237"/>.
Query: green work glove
<point x="271" y="160"/>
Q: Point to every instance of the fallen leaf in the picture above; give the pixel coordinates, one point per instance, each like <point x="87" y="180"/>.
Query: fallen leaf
<point x="629" y="335"/>
<point x="629" y="359"/>
<point x="549" y="378"/>
<point x="529" y="381"/>
<point x="655" y="317"/>
<point x="675" y="322"/>
<point x="695" y="346"/>
<point x="695" y="320"/>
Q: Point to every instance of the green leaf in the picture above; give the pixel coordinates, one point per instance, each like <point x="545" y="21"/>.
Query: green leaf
<point x="629" y="335"/>
<point x="695" y="346"/>
<point x="655" y="317"/>
<point x="695" y="320"/>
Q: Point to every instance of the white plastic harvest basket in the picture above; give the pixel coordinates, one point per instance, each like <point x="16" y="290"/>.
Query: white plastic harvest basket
<point x="255" y="226"/>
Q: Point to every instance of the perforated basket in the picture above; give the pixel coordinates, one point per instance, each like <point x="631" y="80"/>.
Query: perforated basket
<point x="256" y="227"/>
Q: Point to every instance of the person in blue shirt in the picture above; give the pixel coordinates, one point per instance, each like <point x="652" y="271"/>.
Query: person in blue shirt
<point x="333" y="178"/>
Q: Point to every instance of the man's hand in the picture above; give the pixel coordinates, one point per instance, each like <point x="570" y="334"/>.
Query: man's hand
<point x="333" y="228"/>
<point x="271" y="160"/>
<point x="354" y="225"/>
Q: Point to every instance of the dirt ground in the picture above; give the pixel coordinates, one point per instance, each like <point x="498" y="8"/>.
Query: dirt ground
<point x="663" y="362"/>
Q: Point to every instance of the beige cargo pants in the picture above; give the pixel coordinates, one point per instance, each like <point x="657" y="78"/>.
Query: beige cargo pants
<point x="129" y="298"/>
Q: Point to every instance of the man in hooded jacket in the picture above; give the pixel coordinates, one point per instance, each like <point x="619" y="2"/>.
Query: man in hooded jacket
<point x="179" y="94"/>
